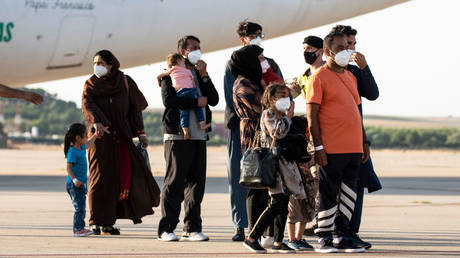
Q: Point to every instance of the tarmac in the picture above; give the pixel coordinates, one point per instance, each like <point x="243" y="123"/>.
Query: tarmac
<point x="411" y="217"/>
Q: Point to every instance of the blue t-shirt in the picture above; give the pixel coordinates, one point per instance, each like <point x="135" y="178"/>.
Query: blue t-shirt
<point x="79" y="164"/>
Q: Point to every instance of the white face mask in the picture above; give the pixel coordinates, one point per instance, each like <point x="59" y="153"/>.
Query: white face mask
<point x="283" y="104"/>
<point x="343" y="57"/>
<point x="257" y="41"/>
<point x="100" y="71"/>
<point x="194" y="56"/>
<point x="265" y="65"/>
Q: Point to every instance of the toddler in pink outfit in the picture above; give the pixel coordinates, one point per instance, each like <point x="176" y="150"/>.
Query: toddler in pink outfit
<point x="184" y="83"/>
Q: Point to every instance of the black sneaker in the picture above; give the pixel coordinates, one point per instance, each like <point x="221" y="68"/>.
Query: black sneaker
<point x="326" y="246"/>
<point x="109" y="230"/>
<point x="303" y="245"/>
<point x="283" y="249"/>
<point x="347" y="245"/>
<point x="239" y="235"/>
<point x="254" y="247"/>
<point x="360" y="243"/>
<point x="96" y="229"/>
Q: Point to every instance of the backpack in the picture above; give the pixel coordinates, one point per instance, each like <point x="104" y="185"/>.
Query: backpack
<point x="294" y="146"/>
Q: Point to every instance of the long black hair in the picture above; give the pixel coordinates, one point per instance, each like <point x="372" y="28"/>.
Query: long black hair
<point x="76" y="129"/>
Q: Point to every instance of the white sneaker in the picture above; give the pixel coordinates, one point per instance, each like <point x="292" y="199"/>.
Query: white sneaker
<point x="267" y="242"/>
<point x="194" y="236"/>
<point x="165" y="236"/>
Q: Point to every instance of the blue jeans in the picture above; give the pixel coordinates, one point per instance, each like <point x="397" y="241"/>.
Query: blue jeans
<point x="238" y="193"/>
<point x="78" y="197"/>
<point x="184" y="113"/>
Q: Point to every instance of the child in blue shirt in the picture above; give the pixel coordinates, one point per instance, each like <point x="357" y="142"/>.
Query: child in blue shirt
<point x="75" y="144"/>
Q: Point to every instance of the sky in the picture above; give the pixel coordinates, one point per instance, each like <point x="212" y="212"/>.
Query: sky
<point x="411" y="49"/>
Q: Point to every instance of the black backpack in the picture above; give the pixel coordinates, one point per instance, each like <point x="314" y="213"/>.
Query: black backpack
<point x="294" y="146"/>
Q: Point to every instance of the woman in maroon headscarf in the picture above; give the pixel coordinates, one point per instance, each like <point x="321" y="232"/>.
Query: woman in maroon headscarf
<point x="120" y="184"/>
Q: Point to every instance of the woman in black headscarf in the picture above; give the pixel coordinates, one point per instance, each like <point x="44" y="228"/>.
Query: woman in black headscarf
<point x="245" y="65"/>
<point x="120" y="184"/>
<point x="247" y="90"/>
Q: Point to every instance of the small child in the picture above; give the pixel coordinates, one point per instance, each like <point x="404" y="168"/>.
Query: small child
<point x="301" y="211"/>
<point x="298" y="211"/>
<point x="275" y="123"/>
<point x="75" y="144"/>
<point x="183" y="82"/>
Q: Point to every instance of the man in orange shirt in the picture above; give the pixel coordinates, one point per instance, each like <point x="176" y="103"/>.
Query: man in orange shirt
<point x="336" y="127"/>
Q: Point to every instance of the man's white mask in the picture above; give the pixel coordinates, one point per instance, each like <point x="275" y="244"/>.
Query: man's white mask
<point x="343" y="57"/>
<point x="257" y="41"/>
<point x="194" y="56"/>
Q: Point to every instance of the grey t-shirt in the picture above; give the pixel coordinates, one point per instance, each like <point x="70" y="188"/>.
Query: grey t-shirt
<point x="196" y="133"/>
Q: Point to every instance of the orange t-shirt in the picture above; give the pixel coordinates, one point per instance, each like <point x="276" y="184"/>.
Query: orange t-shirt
<point x="339" y="117"/>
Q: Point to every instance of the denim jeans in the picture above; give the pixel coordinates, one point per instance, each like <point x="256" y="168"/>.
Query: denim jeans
<point x="238" y="193"/>
<point x="184" y="113"/>
<point x="78" y="197"/>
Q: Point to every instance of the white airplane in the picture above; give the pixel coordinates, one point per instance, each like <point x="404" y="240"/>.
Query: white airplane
<point x="42" y="40"/>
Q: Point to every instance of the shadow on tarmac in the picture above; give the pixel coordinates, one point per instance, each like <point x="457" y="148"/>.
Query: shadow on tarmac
<point x="220" y="233"/>
<point x="391" y="185"/>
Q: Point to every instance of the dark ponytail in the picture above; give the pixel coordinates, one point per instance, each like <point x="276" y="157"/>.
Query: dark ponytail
<point x="74" y="130"/>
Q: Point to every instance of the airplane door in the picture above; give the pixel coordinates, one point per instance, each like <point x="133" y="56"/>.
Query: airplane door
<point x="73" y="41"/>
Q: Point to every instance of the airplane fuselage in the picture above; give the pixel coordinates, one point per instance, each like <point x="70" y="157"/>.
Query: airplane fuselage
<point x="43" y="40"/>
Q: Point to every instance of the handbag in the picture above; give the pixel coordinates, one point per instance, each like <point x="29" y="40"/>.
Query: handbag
<point x="259" y="166"/>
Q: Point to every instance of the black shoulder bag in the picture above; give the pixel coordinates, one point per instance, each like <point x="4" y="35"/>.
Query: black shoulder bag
<point x="259" y="165"/>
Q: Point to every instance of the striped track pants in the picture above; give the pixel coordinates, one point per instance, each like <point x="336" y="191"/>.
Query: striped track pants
<point x="337" y="194"/>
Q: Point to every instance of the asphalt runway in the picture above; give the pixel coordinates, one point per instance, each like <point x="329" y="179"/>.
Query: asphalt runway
<point x="410" y="217"/>
<point x="391" y="185"/>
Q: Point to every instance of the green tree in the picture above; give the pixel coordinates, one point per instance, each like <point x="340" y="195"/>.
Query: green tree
<point x="53" y="116"/>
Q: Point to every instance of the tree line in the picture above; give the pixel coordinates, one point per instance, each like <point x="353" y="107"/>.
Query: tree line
<point x="414" y="138"/>
<point x="55" y="115"/>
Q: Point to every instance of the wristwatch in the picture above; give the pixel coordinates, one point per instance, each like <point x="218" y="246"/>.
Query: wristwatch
<point x="367" y="142"/>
